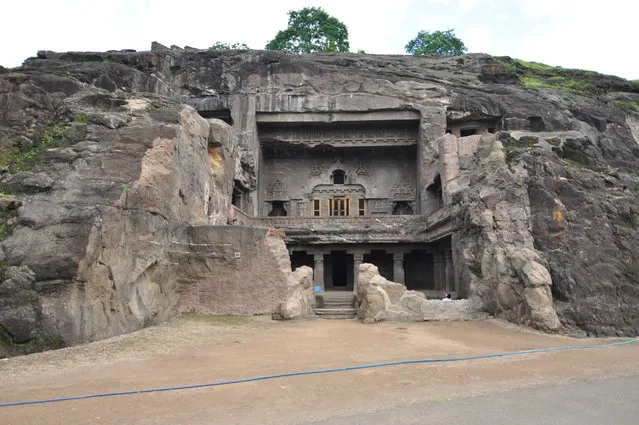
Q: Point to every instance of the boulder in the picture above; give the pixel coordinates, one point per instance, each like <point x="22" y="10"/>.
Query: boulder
<point x="373" y="306"/>
<point x="534" y="274"/>
<point x="410" y="306"/>
<point x="301" y="298"/>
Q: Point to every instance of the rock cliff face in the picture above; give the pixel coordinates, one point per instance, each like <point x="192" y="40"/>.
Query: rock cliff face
<point x="108" y="164"/>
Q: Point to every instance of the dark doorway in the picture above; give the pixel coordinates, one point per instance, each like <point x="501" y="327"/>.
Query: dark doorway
<point x="418" y="269"/>
<point x="402" y="208"/>
<point x="277" y="209"/>
<point x="338" y="271"/>
<point x="434" y="197"/>
<point x="236" y="198"/>
<point x="339" y="177"/>
<point x="301" y="258"/>
<point x="467" y="132"/>
<point x="383" y="261"/>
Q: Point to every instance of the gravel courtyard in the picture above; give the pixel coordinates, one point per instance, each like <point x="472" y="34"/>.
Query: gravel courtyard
<point x="198" y="349"/>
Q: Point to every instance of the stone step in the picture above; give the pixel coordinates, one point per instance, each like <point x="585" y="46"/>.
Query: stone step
<point x="339" y="297"/>
<point x="336" y="313"/>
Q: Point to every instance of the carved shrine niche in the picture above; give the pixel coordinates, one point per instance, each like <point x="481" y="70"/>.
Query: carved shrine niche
<point x="403" y="191"/>
<point x="276" y="191"/>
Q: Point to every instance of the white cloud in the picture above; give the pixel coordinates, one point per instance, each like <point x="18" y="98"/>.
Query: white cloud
<point x="466" y="6"/>
<point x="477" y="38"/>
<point x="547" y="8"/>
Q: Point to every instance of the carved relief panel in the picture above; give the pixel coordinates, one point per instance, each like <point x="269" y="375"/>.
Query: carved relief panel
<point x="403" y="191"/>
<point x="276" y="191"/>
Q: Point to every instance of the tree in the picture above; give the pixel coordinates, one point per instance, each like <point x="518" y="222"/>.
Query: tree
<point x="311" y="30"/>
<point x="227" y="46"/>
<point x="436" y="43"/>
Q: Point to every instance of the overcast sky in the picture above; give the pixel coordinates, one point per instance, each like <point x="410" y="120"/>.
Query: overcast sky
<point x="587" y="34"/>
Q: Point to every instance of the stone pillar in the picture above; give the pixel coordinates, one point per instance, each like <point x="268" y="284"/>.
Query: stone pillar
<point x="398" y="267"/>
<point x="449" y="271"/>
<point x="358" y="258"/>
<point x="439" y="271"/>
<point x="318" y="271"/>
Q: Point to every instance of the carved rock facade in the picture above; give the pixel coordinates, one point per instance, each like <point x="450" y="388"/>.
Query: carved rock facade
<point x="145" y="178"/>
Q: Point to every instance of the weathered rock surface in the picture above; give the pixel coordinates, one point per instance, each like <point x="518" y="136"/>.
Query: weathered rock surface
<point x="113" y="171"/>
<point x="497" y="261"/>
<point x="97" y="225"/>
<point x="382" y="299"/>
<point x="300" y="298"/>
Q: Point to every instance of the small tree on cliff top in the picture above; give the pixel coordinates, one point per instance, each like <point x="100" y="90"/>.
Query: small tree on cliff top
<point x="311" y="30"/>
<point x="436" y="43"/>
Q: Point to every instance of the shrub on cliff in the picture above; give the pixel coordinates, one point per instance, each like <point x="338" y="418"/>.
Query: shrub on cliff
<point x="228" y="46"/>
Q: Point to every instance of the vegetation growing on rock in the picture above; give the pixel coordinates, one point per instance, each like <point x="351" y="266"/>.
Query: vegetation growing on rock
<point x="218" y="45"/>
<point x="18" y="160"/>
<point x="436" y="43"/>
<point x="311" y="30"/>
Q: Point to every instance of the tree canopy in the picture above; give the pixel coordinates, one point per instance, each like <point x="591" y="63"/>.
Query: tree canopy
<point x="436" y="43"/>
<point x="228" y="46"/>
<point x="311" y="30"/>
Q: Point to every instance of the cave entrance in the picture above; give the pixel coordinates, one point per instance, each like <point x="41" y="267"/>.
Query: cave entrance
<point x="301" y="258"/>
<point x="383" y="261"/>
<point x="419" y="270"/>
<point x="338" y="271"/>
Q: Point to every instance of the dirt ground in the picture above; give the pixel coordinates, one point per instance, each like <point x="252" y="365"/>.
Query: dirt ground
<point x="196" y="350"/>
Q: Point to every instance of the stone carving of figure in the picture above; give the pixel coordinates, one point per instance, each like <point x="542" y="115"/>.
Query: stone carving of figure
<point x="316" y="169"/>
<point x="360" y="168"/>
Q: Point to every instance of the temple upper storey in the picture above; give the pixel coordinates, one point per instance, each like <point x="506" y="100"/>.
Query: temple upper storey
<point x="338" y="165"/>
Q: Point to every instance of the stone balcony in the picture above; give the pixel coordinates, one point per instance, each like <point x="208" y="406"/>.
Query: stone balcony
<point x="356" y="229"/>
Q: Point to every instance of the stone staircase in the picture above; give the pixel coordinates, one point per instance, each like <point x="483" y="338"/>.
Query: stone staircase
<point x="336" y="305"/>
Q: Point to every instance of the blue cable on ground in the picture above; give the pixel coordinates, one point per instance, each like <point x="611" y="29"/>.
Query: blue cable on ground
<point x="317" y="372"/>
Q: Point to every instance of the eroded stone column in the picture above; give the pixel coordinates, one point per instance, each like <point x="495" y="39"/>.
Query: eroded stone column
<point x="398" y="267"/>
<point x="449" y="272"/>
<point x="318" y="271"/>
<point x="357" y="260"/>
